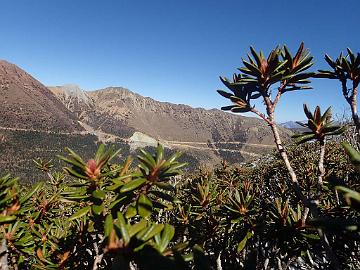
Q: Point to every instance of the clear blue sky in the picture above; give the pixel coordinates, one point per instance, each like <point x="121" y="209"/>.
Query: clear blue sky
<point x="173" y="50"/>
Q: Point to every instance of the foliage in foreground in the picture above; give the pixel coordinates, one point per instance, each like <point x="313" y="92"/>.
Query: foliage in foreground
<point x="296" y="208"/>
<point x="103" y="215"/>
<point x="106" y="214"/>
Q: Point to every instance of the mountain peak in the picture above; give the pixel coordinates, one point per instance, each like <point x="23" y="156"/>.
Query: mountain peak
<point x="28" y="104"/>
<point x="11" y="72"/>
<point x="71" y="95"/>
<point x="6" y="63"/>
<point x="68" y="89"/>
<point x="71" y="87"/>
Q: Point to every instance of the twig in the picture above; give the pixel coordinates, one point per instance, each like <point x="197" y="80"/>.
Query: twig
<point x="261" y="115"/>
<point x="218" y="262"/>
<point x="279" y="93"/>
<point x="4" y="255"/>
<point x="321" y="162"/>
<point x="98" y="257"/>
<point x="353" y="105"/>
<point x="304" y="216"/>
<point x="270" y="108"/>
<point x="132" y="266"/>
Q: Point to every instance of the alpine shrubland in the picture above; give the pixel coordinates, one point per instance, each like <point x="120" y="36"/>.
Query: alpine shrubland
<point x="296" y="208"/>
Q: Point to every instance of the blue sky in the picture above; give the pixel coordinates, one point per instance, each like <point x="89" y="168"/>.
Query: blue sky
<point x="173" y="50"/>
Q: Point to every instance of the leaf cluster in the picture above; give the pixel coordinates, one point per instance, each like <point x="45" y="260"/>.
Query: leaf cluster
<point x="259" y="73"/>
<point x="344" y="67"/>
<point x="320" y="126"/>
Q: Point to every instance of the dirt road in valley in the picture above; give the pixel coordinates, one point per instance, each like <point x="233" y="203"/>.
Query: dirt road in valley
<point x="107" y="137"/>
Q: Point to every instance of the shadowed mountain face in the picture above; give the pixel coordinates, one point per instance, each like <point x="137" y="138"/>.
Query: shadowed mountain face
<point x="39" y="122"/>
<point x="26" y="103"/>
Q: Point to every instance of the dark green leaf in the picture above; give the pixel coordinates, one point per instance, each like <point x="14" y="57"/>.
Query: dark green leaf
<point x="150" y="232"/>
<point x="98" y="194"/>
<point x="144" y="206"/>
<point x="123" y="228"/>
<point x="29" y="194"/>
<point x="243" y="242"/>
<point x="224" y="94"/>
<point x="82" y="212"/>
<point x="109" y="225"/>
<point x="7" y="219"/>
<point x="97" y="209"/>
<point x="130" y="212"/>
<point x="133" y="184"/>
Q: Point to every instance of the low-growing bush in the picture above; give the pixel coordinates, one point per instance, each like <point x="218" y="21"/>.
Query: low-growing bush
<point x="297" y="208"/>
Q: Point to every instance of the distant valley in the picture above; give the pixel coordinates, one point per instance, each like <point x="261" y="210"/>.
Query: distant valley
<point x="39" y="121"/>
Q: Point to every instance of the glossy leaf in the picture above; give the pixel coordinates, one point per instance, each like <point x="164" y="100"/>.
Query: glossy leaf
<point x="82" y="212"/>
<point x="144" y="206"/>
<point x="123" y="228"/>
<point x="133" y="184"/>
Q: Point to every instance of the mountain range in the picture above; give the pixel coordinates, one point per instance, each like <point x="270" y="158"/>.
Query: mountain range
<point x="39" y="121"/>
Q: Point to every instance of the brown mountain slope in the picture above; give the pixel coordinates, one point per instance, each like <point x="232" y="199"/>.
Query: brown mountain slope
<point x="36" y="122"/>
<point x="162" y="120"/>
<point x="89" y="111"/>
<point x="27" y="104"/>
<point x="210" y="135"/>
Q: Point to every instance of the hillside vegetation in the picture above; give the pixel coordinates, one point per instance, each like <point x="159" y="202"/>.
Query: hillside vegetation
<point x="295" y="208"/>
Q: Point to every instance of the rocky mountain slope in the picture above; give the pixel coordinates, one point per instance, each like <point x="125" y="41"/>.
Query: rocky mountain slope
<point x="38" y="121"/>
<point x="27" y="104"/>
<point x="210" y="135"/>
<point x="174" y="122"/>
<point x="34" y="123"/>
